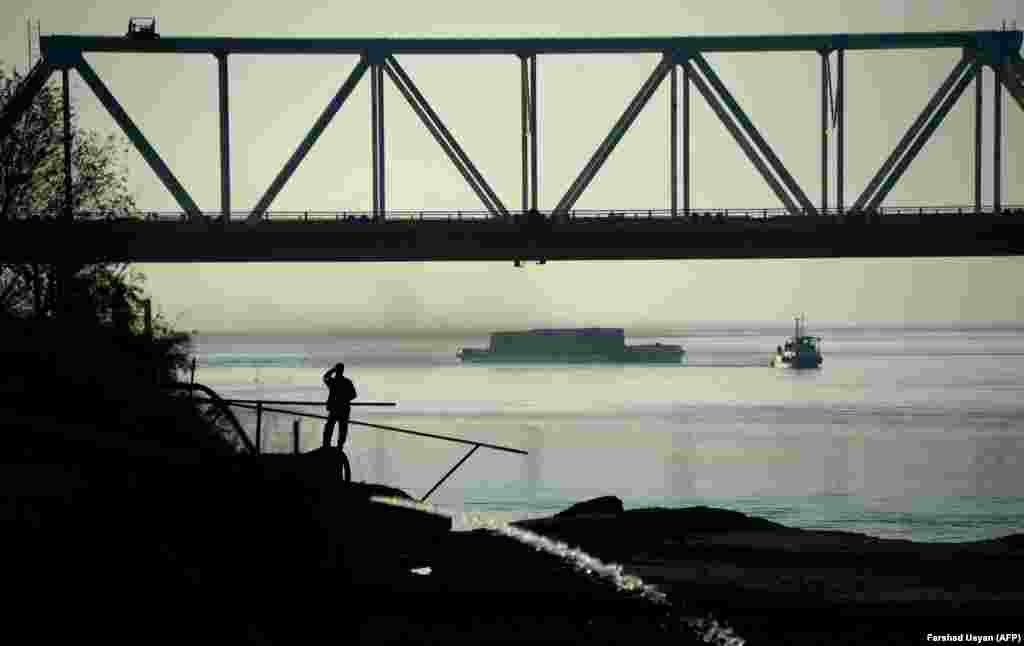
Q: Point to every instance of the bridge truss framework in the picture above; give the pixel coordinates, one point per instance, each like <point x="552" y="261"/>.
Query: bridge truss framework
<point x="681" y="57"/>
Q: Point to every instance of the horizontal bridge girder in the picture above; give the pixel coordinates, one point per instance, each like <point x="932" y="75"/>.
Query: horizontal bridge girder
<point x="490" y="240"/>
<point x="58" y="44"/>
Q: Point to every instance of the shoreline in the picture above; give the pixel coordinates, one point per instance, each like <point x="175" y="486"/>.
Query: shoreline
<point x="773" y="582"/>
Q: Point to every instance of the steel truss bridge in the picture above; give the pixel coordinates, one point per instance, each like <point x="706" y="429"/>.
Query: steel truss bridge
<point x="800" y="228"/>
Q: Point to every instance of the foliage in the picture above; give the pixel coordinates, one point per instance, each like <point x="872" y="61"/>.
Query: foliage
<point x="32" y="185"/>
<point x="32" y="162"/>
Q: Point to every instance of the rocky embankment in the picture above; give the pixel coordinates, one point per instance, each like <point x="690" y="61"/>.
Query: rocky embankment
<point x="765" y="579"/>
<point x="124" y="536"/>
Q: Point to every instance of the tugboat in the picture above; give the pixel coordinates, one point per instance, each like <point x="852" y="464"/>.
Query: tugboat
<point x="573" y="345"/>
<point x="801" y="351"/>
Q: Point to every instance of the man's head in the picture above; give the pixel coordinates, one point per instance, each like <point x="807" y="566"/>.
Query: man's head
<point x="340" y="367"/>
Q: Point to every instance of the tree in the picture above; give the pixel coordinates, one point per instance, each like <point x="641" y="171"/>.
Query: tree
<point x="32" y="186"/>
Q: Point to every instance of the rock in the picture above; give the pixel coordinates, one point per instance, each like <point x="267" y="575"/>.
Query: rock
<point x="601" y="505"/>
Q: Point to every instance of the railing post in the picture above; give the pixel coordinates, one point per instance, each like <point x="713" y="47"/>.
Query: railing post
<point x="295" y="437"/>
<point x="259" y="428"/>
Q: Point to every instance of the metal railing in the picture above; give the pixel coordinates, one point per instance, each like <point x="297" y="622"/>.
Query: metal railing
<point x="580" y="215"/>
<point x="271" y="406"/>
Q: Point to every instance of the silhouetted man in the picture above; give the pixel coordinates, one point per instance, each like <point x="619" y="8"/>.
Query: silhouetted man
<point x="339" y="404"/>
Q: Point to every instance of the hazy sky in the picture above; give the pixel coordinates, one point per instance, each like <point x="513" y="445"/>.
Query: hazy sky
<point x="274" y="101"/>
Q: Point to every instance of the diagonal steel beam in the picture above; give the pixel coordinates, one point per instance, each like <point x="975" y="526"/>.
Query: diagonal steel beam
<point x="741" y="140"/>
<point x="911" y="133"/>
<point x="23" y="97"/>
<point x="314" y="133"/>
<point x="1012" y="75"/>
<point x="140" y="142"/>
<point x="600" y="155"/>
<point x="441" y="141"/>
<point x="448" y="136"/>
<point x="755" y="136"/>
<point x="618" y="130"/>
<point x="925" y="135"/>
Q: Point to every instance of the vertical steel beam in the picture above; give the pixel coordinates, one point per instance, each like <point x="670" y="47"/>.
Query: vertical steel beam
<point x="755" y="136"/>
<point x="997" y="139"/>
<point x="826" y="80"/>
<point x="909" y="136"/>
<point x="600" y="155"/>
<point x="382" y="185"/>
<point x="534" y="166"/>
<point x="147" y="151"/>
<point x="673" y="139"/>
<point x="374" y="89"/>
<point x="840" y="130"/>
<point x="37" y="292"/>
<point x="314" y="133"/>
<point x="64" y="269"/>
<point x="225" y="139"/>
<point x="66" y="88"/>
<point x="979" y="78"/>
<point x="524" y="88"/>
<point x="421" y="112"/>
<point x="466" y="161"/>
<point x="926" y="133"/>
<point x="751" y="154"/>
<point x="686" y="140"/>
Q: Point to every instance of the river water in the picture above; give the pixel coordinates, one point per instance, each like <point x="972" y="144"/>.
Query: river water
<point x="902" y="433"/>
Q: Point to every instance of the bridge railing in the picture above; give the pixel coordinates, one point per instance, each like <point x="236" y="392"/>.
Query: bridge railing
<point x="575" y="215"/>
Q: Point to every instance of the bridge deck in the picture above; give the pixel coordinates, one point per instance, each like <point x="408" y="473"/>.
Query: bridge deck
<point x="495" y="240"/>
